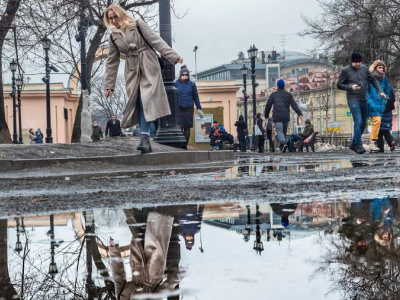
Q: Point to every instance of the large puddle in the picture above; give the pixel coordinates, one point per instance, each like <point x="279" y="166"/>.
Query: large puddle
<point x="314" y="250"/>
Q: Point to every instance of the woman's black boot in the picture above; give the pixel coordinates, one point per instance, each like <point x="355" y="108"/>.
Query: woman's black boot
<point x="144" y="145"/>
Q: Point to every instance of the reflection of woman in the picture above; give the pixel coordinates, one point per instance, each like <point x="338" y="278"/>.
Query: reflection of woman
<point x="148" y="257"/>
<point x="147" y="97"/>
<point x="32" y="136"/>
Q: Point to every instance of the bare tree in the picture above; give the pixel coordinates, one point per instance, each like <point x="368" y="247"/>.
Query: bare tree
<point x="8" y="12"/>
<point x="368" y="27"/>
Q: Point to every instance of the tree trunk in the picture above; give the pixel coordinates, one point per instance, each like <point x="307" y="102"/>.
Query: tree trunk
<point x="7" y="290"/>
<point x="5" y="22"/>
<point x="91" y="55"/>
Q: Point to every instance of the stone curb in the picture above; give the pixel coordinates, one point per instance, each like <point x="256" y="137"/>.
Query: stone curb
<point x="160" y="158"/>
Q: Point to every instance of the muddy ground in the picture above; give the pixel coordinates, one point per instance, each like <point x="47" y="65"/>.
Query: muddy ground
<point x="278" y="178"/>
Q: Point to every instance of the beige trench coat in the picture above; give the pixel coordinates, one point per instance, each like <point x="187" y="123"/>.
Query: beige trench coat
<point x="147" y="263"/>
<point x="142" y="71"/>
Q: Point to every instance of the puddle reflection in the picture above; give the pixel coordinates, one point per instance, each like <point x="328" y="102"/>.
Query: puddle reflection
<point x="211" y="251"/>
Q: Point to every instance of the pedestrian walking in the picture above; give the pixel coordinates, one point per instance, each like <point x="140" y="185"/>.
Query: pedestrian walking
<point x="260" y="133"/>
<point x="281" y="101"/>
<point x="187" y="95"/>
<point x="97" y="133"/>
<point x="354" y="80"/>
<point x="32" y="136"/>
<point x="113" y="127"/>
<point x="270" y="135"/>
<point x="144" y="84"/>
<point x="39" y="136"/>
<point x="241" y="129"/>
<point x="386" y="124"/>
<point x="376" y="103"/>
<point x="295" y="137"/>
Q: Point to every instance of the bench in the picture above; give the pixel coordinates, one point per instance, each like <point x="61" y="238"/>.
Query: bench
<point x="301" y="144"/>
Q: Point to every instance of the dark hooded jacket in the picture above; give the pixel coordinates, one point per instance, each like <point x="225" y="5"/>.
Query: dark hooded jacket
<point x="282" y="101"/>
<point x="241" y="128"/>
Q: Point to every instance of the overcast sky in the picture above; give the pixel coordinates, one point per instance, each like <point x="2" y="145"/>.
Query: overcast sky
<point x="222" y="28"/>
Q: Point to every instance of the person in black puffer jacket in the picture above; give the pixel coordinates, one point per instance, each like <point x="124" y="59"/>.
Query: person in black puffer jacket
<point x="386" y="124"/>
<point x="282" y="101"/>
<point x="241" y="128"/>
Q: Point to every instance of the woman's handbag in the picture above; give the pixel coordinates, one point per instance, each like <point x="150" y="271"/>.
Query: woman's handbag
<point x="257" y="130"/>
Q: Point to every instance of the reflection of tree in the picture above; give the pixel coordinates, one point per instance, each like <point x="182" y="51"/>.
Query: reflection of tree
<point x="7" y="290"/>
<point x="366" y="270"/>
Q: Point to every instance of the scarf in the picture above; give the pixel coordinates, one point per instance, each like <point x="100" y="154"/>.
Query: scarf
<point x="378" y="75"/>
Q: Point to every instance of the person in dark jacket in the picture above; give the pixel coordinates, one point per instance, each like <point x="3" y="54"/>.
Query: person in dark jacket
<point x="214" y="136"/>
<point x="282" y="101"/>
<point x="187" y="95"/>
<point x="386" y="124"/>
<point x="260" y="137"/>
<point x="241" y="128"/>
<point x="39" y="136"/>
<point x="97" y="133"/>
<point x="295" y="137"/>
<point x="354" y="80"/>
<point x="113" y="127"/>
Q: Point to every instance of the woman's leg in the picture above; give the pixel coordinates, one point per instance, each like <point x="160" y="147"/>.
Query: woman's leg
<point x="380" y="141"/>
<point x="376" y="124"/>
<point x="389" y="140"/>
<point x="144" y="145"/>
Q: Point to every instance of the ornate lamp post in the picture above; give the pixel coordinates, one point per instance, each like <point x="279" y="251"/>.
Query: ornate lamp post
<point x="13" y="67"/>
<point x="46" y="46"/>
<point x="19" y="82"/>
<point x="18" y="244"/>
<point x="195" y="59"/>
<point x="168" y="132"/>
<point x="258" y="245"/>
<point x="248" y="225"/>
<point x="53" y="266"/>
<point x="244" y="71"/>
<point x="252" y="52"/>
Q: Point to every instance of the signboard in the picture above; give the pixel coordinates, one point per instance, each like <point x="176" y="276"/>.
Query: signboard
<point x="333" y="126"/>
<point x="333" y="129"/>
<point x="202" y="128"/>
<point x="348" y="114"/>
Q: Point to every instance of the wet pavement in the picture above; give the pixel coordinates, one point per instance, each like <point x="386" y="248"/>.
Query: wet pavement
<point x="318" y="249"/>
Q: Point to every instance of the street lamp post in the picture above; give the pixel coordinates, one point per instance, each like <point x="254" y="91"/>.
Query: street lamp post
<point x="258" y="245"/>
<point x="244" y="71"/>
<point x="248" y="225"/>
<point x="18" y="244"/>
<point x="252" y="52"/>
<point x="53" y="265"/>
<point x="195" y="59"/>
<point x="19" y="82"/>
<point x="46" y="46"/>
<point x="169" y="132"/>
<point x="13" y="67"/>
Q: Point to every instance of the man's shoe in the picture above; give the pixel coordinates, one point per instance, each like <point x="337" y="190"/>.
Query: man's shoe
<point x="360" y="150"/>
<point x="373" y="147"/>
<point x="393" y="146"/>
<point x="144" y="146"/>
<point x="353" y="147"/>
<point x="284" y="148"/>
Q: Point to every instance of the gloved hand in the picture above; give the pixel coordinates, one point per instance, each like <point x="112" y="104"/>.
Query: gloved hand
<point x="201" y="114"/>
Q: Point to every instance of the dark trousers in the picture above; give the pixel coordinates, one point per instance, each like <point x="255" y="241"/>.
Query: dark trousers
<point x="261" y="142"/>
<point x="242" y="143"/>
<point x="186" y="132"/>
<point x="271" y="141"/>
<point x="388" y="137"/>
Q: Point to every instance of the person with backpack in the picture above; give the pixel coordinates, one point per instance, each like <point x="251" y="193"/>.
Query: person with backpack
<point x="135" y="40"/>
<point x="187" y="95"/>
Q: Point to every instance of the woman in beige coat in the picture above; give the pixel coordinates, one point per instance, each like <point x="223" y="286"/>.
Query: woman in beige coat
<point x="147" y="97"/>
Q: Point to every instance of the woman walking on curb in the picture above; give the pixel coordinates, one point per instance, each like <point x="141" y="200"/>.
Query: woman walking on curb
<point x="386" y="124"/>
<point x="144" y="85"/>
<point x="376" y="103"/>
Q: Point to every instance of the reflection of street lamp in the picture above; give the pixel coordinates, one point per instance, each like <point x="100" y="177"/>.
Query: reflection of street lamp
<point x="258" y="245"/>
<point x="244" y="71"/>
<point x="18" y="244"/>
<point x="248" y="225"/>
<point x="53" y="266"/>
<point x="19" y="82"/>
<point x="195" y="59"/>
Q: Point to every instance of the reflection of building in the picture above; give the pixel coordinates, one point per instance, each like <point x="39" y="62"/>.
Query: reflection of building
<point x="33" y="108"/>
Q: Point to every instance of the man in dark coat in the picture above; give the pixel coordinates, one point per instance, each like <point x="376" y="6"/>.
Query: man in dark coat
<point x="295" y="137"/>
<point x="354" y="80"/>
<point x="187" y="95"/>
<point x="113" y="127"/>
<point x="282" y="101"/>
<point x="386" y="124"/>
<point x="241" y="128"/>
<point x="97" y="133"/>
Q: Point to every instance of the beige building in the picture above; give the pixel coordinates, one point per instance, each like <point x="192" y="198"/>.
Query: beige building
<point x="33" y="110"/>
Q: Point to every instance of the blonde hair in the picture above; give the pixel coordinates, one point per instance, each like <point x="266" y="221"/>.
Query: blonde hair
<point x="124" y="18"/>
<point x="376" y="64"/>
